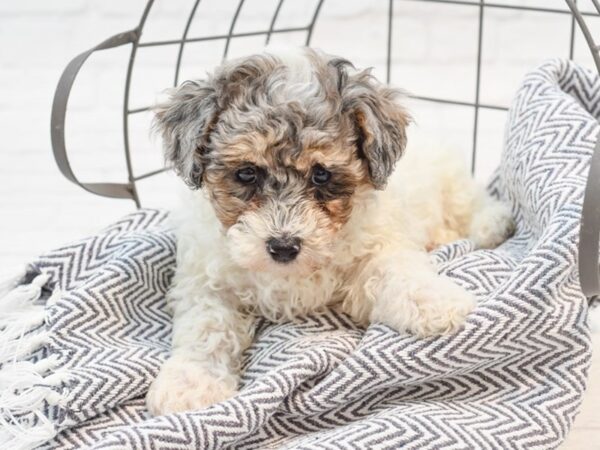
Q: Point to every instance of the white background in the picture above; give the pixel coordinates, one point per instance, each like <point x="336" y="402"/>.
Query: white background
<point x="434" y="54"/>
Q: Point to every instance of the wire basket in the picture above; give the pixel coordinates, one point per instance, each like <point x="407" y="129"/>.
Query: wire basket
<point x="275" y="15"/>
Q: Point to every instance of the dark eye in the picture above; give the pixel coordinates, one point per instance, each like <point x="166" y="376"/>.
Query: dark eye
<point x="246" y="175"/>
<point x="320" y="176"/>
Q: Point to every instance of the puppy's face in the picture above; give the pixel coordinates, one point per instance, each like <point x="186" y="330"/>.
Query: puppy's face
<point x="282" y="193"/>
<point x="281" y="144"/>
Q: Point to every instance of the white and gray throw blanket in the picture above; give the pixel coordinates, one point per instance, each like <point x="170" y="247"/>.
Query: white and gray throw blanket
<point x="86" y="331"/>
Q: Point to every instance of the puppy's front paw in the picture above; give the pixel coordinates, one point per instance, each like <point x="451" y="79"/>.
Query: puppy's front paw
<point x="442" y="306"/>
<point x="430" y="306"/>
<point x="185" y="385"/>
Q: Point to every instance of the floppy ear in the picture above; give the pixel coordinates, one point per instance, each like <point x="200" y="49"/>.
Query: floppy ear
<point x="380" y="123"/>
<point x="185" y="122"/>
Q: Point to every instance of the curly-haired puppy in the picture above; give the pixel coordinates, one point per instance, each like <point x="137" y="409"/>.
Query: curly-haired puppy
<point x="292" y="153"/>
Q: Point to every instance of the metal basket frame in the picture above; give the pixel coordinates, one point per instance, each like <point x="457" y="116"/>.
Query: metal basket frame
<point x="589" y="244"/>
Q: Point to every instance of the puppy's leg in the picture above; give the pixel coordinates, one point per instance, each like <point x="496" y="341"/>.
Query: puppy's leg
<point x="454" y="206"/>
<point x="491" y="221"/>
<point x="470" y="212"/>
<point x="209" y="336"/>
<point x="409" y="295"/>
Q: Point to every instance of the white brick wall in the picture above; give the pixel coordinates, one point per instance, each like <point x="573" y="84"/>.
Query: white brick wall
<point x="434" y="53"/>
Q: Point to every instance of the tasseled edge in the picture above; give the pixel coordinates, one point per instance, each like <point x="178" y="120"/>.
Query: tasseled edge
<point x="26" y="387"/>
<point x="10" y="283"/>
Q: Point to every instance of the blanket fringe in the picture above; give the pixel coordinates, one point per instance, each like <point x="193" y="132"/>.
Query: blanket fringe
<point x="26" y="387"/>
<point x="21" y="320"/>
<point x="20" y="437"/>
<point x="10" y="283"/>
<point x="25" y="391"/>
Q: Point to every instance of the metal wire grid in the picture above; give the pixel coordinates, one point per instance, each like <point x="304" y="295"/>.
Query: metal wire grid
<point x="185" y="40"/>
<point x="481" y="6"/>
<point x="129" y="190"/>
<point x="590" y="278"/>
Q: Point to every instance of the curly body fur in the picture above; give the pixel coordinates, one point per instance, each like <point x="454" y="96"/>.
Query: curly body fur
<point x="363" y="248"/>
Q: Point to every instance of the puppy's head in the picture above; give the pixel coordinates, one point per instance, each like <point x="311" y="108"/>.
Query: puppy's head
<point x="281" y="144"/>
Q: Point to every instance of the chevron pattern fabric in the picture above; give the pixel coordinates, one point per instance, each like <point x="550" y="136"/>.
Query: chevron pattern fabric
<point x="513" y="378"/>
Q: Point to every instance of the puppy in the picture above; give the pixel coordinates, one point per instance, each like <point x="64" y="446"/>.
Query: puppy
<point x="292" y="153"/>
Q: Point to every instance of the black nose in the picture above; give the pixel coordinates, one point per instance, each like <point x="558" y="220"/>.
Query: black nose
<point x="284" y="249"/>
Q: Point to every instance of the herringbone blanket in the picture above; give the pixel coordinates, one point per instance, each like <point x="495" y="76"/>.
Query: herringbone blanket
<point x="86" y="332"/>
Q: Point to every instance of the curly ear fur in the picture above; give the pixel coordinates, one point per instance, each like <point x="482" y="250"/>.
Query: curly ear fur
<point x="380" y="122"/>
<point x="188" y="117"/>
<point x="185" y="121"/>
